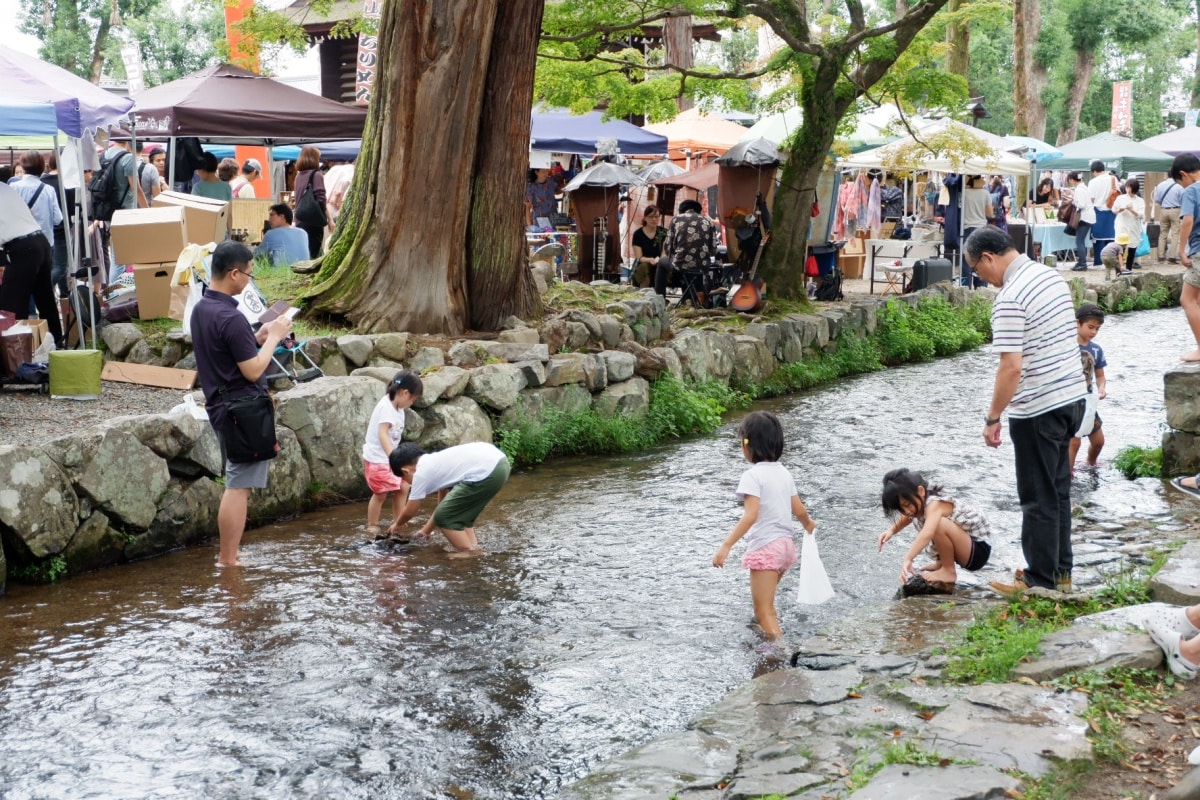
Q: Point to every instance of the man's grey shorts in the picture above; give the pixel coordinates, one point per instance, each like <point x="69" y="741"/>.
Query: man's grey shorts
<point x="250" y="475"/>
<point x="1192" y="276"/>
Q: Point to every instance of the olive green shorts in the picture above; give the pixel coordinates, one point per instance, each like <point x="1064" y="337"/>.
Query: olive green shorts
<point x="466" y="501"/>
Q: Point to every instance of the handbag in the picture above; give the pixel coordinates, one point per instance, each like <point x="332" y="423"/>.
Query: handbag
<point x="250" y="428"/>
<point x="308" y="211"/>
<point x="1143" y="248"/>
<point x="1113" y="195"/>
<point x="814" y="583"/>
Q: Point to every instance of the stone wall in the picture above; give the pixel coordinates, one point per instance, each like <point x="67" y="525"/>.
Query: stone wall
<point x="140" y="486"/>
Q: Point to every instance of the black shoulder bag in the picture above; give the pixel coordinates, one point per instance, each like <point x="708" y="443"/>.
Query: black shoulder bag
<point x="249" y="428"/>
<point x="308" y="210"/>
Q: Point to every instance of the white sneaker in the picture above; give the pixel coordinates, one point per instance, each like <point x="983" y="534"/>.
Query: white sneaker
<point x="1169" y="641"/>
<point x="1172" y="618"/>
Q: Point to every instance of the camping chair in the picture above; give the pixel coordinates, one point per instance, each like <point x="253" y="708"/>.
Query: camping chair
<point x="694" y="287"/>
<point x="289" y="360"/>
<point x="897" y="276"/>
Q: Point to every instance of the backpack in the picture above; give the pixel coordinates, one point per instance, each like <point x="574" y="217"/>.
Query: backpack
<point x="107" y="197"/>
<point x="831" y="286"/>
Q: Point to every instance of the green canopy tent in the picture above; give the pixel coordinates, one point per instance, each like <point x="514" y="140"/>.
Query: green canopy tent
<point x="1117" y="153"/>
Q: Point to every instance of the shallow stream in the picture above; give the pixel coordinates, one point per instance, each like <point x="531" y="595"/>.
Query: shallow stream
<point x="329" y="668"/>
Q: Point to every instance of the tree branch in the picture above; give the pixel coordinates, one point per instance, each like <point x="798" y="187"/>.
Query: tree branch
<point x="857" y="20"/>
<point x="923" y="12"/>
<point x="798" y="39"/>
<point x="608" y="30"/>
<point x="684" y="71"/>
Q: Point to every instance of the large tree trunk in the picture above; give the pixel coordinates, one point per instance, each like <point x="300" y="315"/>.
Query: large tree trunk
<point x="783" y="262"/>
<point x="1196" y="72"/>
<point x="96" y="68"/>
<point x="677" y="44"/>
<point x="958" y="35"/>
<point x="1085" y="64"/>
<point x="1029" y="79"/>
<point x="500" y="282"/>
<point x="399" y="262"/>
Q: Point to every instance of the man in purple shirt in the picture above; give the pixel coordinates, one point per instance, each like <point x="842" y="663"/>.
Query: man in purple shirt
<point x="232" y="362"/>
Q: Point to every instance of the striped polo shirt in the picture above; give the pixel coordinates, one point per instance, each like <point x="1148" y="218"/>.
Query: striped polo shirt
<point x="1033" y="315"/>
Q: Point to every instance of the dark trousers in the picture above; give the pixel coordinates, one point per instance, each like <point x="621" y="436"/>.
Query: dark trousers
<point x="28" y="275"/>
<point x="58" y="272"/>
<point x="1081" y="235"/>
<point x="664" y="275"/>
<point x="1044" y="489"/>
<point x="316" y="237"/>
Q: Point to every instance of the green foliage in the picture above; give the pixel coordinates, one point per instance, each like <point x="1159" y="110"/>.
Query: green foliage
<point x="1003" y="636"/>
<point x="932" y="329"/>
<point x="676" y="410"/>
<point x="1139" y="462"/>
<point x="1113" y="697"/>
<point x="47" y="570"/>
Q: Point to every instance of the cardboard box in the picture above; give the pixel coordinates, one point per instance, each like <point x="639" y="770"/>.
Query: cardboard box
<point x="148" y="235"/>
<point x="207" y="219"/>
<point x="40" y="330"/>
<point x="855" y="246"/>
<point x="152" y="283"/>
<point x="852" y="264"/>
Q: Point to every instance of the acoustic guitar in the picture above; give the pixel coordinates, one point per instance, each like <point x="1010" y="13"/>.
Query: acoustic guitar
<point x="748" y="297"/>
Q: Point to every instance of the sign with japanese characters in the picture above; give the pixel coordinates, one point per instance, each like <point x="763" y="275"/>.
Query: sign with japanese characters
<point x="368" y="56"/>
<point x="1122" y="108"/>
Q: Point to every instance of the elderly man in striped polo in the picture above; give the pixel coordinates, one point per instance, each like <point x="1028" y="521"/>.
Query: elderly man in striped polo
<point x="1040" y="382"/>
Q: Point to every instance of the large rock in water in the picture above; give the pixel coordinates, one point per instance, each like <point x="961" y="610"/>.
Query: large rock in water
<point x="38" y="509"/>
<point x="186" y="515"/>
<point x="1181" y="393"/>
<point x="329" y="418"/>
<point x="288" y="480"/>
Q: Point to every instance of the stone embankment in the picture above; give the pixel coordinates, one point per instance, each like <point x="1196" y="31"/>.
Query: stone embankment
<point x="868" y="715"/>
<point x="134" y="487"/>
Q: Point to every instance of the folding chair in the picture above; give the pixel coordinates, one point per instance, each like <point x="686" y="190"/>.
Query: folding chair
<point x="694" y="287"/>
<point x="897" y="276"/>
<point x="290" y="358"/>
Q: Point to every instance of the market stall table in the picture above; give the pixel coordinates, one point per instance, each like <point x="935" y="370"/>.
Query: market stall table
<point x="1050" y="238"/>
<point x="897" y="257"/>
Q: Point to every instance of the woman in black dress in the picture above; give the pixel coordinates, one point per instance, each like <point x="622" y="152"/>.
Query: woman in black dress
<point x="647" y="246"/>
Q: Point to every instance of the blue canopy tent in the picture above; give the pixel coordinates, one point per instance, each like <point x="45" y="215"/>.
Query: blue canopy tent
<point x="21" y="118"/>
<point x="330" y="151"/>
<point x="559" y="131"/>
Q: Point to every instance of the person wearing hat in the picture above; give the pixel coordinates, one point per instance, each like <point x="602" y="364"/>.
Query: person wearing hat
<point x="1113" y="255"/>
<point x="242" y="185"/>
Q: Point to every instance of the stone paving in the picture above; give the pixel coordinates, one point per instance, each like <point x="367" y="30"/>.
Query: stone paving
<point x="819" y="730"/>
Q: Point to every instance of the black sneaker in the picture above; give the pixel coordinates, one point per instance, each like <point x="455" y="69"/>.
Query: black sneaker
<point x="1079" y="268"/>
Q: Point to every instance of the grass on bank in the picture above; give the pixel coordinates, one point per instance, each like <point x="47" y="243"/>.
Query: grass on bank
<point x="904" y="333"/>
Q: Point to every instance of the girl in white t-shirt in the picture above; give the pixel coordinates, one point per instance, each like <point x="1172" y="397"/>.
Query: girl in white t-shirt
<point x="770" y="502"/>
<point x="384" y="432"/>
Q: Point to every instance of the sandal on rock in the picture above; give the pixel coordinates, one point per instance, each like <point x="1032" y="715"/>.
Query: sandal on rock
<point x="1178" y="484"/>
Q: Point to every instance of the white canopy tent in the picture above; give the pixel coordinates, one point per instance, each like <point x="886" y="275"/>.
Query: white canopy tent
<point x="930" y="151"/>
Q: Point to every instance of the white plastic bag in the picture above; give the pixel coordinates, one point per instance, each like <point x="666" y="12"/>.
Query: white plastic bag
<point x="188" y="406"/>
<point x="814" y="586"/>
<point x="42" y="354"/>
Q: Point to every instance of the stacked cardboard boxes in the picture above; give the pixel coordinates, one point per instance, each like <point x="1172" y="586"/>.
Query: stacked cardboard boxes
<point x="853" y="256"/>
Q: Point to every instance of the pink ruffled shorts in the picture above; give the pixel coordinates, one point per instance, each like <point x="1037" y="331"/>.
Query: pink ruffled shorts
<point x="779" y="555"/>
<point x="381" y="479"/>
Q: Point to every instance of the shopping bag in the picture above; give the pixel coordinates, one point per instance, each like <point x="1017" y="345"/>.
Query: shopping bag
<point x="1143" y="246"/>
<point x="814" y="586"/>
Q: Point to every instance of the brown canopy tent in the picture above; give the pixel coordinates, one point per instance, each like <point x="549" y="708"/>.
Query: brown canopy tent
<point x="228" y="104"/>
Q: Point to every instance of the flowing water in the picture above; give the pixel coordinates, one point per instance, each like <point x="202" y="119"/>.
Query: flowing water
<point x="328" y="668"/>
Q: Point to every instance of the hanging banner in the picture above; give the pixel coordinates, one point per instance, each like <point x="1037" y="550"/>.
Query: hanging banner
<point x="1122" y="108"/>
<point x="368" y="56"/>
<point x="131" y="56"/>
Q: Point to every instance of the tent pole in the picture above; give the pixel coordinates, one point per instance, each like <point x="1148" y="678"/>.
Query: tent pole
<point x="171" y="162"/>
<point x="68" y="220"/>
<point x="88" y="256"/>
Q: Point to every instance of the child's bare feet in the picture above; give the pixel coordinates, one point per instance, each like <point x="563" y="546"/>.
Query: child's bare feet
<point x="1191" y="356"/>
<point x="941" y="575"/>
<point x="932" y="566"/>
<point x="466" y="553"/>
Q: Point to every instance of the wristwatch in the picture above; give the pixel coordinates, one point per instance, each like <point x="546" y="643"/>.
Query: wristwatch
<point x="990" y="420"/>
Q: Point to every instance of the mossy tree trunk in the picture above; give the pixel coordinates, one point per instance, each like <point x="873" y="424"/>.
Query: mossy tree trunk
<point x="430" y="239"/>
<point x="833" y="76"/>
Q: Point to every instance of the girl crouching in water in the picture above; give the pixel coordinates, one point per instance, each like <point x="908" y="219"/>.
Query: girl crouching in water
<point x="770" y="502"/>
<point x="955" y="532"/>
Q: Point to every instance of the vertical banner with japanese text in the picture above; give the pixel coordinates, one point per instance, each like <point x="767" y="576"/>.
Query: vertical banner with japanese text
<point x="1122" y="108"/>
<point x="368" y="56"/>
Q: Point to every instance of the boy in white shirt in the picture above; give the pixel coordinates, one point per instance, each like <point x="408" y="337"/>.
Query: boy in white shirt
<point x="473" y="473"/>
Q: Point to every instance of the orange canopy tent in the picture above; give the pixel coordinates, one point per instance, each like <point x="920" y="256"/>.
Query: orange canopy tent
<point x="698" y="132"/>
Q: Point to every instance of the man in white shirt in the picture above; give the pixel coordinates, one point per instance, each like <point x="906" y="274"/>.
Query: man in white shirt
<point x="30" y="262"/>
<point x="1101" y="185"/>
<point x="1040" y="383"/>
<point x="476" y="471"/>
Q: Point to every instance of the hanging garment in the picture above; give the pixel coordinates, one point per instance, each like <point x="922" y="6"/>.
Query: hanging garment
<point x="874" y="209"/>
